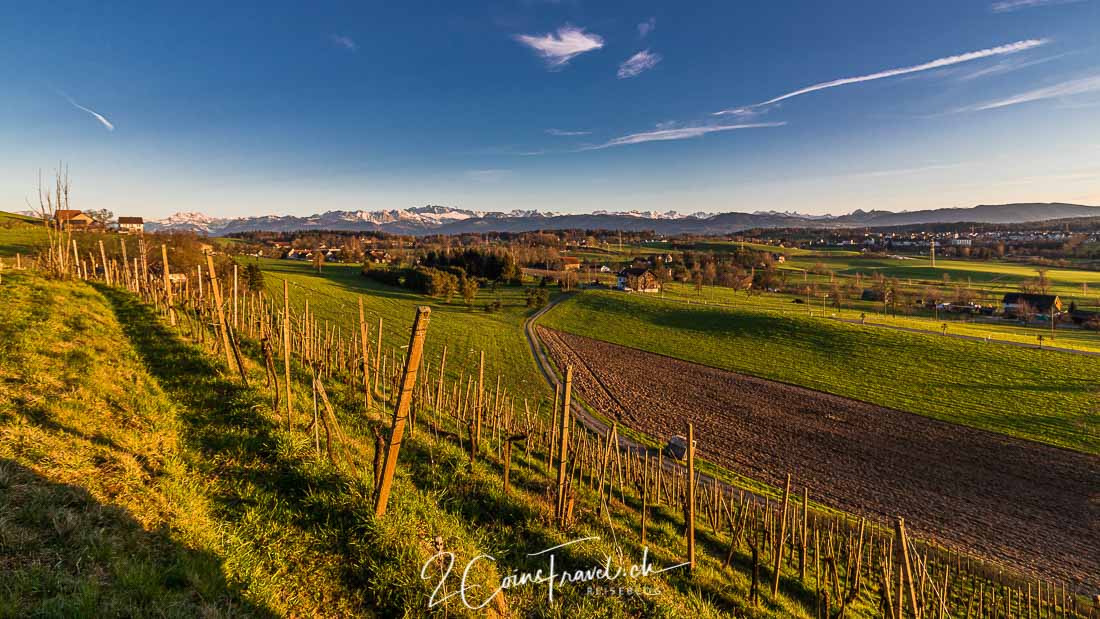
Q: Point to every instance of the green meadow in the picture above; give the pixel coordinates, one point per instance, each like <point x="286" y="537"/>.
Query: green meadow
<point x="465" y="330"/>
<point x="20" y="234"/>
<point x="1044" y="396"/>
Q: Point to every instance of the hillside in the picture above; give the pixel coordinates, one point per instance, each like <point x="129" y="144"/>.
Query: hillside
<point x="139" y="477"/>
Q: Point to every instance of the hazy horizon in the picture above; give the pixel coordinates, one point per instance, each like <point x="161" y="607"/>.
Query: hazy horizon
<point x="567" y="107"/>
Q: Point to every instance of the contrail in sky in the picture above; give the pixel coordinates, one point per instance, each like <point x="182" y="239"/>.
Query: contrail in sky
<point x="1010" y="48"/>
<point x="100" y="117"/>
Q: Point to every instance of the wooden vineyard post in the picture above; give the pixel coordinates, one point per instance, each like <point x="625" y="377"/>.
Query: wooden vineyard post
<point x="554" y="426"/>
<point x="691" y="497"/>
<point x="439" y="388"/>
<point x="563" y="452"/>
<point x="907" y="566"/>
<point x="236" y="322"/>
<point x="401" y="410"/>
<point x="611" y="432"/>
<point x="779" y="540"/>
<point x="366" y="362"/>
<point x="480" y="402"/>
<point x="645" y="495"/>
<point x="231" y="354"/>
<point x="805" y="534"/>
<point x="286" y="354"/>
<point x="125" y="267"/>
<point x="103" y="261"/>
<point x="167" y="284"/>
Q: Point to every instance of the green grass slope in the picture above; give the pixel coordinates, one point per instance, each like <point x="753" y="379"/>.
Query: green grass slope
<point x="465" y="331"/>
<point x="20" y="234"/>
<point x="137" y="478"/>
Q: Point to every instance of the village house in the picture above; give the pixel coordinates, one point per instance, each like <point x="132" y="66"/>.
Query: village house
<point x="569" y="263"/>
<point x="131" y="225"/>
<point x="379" y="256"/>
<point x="68" y="219"/>
<point x="1039" y="304"/>
<point x="637" y="279"/>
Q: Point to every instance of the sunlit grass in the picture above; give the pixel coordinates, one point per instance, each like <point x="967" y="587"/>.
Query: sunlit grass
<point x="1038" y="395"/>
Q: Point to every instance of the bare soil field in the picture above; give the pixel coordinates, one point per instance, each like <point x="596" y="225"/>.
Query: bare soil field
<point x="1027" y="505"/>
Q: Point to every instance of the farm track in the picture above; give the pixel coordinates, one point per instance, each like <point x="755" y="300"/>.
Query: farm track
<point x="1023" y="504"/>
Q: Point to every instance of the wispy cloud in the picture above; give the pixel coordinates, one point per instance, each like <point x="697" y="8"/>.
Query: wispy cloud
<point x="647" y="26"/>
<point x="564" y="133"/>
<point x="1010" y="48"/>
<point x="636" y="64"/>
<point x="558" y="48"/>
<point x="681" y="133"/>
<point x="100" y="117"/>
<point x="1064" y="89"/>
<point x="911" y="170"/>
<point x="1007" y="66"/>
<point x="1007" y="6"/>
<point x="344" y="41"/>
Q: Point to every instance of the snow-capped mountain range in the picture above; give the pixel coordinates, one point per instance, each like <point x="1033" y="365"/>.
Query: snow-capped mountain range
<point x="434" y="219"/>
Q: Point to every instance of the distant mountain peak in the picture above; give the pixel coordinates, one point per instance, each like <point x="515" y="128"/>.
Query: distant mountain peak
<point x="436" y="219"/>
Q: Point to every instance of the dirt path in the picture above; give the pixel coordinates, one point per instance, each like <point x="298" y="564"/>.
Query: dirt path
<point x="1028" y="505"/>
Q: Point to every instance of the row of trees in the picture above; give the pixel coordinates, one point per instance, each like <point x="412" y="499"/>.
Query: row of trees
<point x="427" y="280"/>
<point x="488" y="263"/>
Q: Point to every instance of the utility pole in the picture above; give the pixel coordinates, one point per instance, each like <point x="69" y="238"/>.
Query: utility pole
<point x="932" y="251"/>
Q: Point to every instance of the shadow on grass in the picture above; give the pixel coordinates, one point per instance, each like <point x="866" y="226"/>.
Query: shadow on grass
<point x="64" y="553"/>
<point x="263" y="484"/>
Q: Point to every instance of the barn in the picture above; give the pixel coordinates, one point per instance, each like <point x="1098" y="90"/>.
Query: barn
<point x="636" y="279"/>
<point x="1039" y="304"/>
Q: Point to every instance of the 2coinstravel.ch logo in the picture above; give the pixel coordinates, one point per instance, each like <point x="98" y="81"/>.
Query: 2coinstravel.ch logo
<point x="613" y="577"/>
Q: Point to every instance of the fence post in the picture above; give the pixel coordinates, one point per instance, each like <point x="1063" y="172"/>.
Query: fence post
<point x="167" y="284"/>
<point x="779" y="540"/>
<point x="286" y="355"/>
<point x="401" y="410"/>
<point x="691" y="497"/>
<point x="231" y="355"/>
<point x="563" y="452"/>
<point x="907" y="566"/>
<point x="366" y="362"/>
<point x="103" y="260"/>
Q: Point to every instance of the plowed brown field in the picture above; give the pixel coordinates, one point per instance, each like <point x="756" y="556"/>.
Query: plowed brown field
<point x="1028" y="505"/>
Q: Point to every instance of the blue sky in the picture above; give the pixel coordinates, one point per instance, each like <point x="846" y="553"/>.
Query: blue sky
<point x="565" y="106"/>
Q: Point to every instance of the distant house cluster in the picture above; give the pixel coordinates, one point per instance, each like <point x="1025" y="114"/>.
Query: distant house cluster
<point x="330" y="254"/>
<point x="80" y="221"/>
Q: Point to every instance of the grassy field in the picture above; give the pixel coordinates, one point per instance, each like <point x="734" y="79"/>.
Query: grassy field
<point x="957" y="324"/>
<point x="465" y="331"/>
<point x="20" y="234"/>
<point x="6" y="217"/>
<point x="1044" y="396"/>
<point x="137" y="479"/>
<point x="1000" y="276"/>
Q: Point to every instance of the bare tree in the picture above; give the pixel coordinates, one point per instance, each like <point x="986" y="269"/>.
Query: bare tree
<point x="101" y="216"/>
<point x="58" y="261"/>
